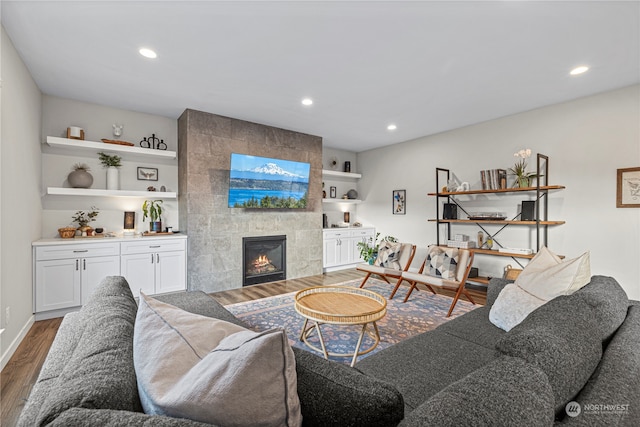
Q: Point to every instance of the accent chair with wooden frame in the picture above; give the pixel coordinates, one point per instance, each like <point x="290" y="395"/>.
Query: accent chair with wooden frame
<point x="464" y="263"/>
<point x="407" y="252"/>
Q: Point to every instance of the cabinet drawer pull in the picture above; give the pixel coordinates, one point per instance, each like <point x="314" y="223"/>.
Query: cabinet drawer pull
<point x="84" y="264"/>
<point x="154" y="246"/>
<point x="157" y="258"/>
<point x="77" y="264"/>
<point x="80" y="251"/>
<point x="151" y="258"/>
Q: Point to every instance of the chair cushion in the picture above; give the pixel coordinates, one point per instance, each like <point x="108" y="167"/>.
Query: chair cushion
<point x="389" y="255"/>
<point x="205" y="369"/>
<point x="442" y="262"/>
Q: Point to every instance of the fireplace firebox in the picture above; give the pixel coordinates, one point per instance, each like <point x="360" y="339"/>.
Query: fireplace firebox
<point x="264" y="259"/>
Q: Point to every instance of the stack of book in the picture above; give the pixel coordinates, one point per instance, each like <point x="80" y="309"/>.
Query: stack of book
<point x="494" y="179"/>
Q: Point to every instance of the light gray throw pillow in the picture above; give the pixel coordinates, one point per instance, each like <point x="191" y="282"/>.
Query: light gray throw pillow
<point x="209" y="370"/>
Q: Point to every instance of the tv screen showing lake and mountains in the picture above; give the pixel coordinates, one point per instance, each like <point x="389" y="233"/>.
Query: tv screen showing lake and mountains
<point x="262" y="182"/>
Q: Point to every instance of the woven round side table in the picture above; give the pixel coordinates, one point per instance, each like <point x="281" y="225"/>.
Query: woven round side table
<point x="340" y="305"/>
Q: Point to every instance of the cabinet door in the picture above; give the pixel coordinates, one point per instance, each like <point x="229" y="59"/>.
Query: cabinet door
<point x="354" y="250"/>
<point x="93" y="270"/>
<point x="171" y="272"/>
<point x="344" y="251"/>
<point x="139" y="270"/>
<point x="330" y="252"/>
<point x="57" y="284"/>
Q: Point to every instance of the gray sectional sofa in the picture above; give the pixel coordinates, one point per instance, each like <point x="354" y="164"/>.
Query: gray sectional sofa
<point x="582" y="348"/>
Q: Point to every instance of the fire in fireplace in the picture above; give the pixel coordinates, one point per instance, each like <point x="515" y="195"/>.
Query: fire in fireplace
<point x="263" y="259"/>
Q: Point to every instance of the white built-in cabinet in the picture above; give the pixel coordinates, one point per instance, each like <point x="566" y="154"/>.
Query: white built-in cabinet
<point x="340" y="247"/>
<point x="66" y="272"/>
<point x="154" y="267"/>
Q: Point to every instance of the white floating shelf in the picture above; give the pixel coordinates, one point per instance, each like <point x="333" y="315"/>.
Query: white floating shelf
<point x="350" y="201"/>
<point x="58" y="191"/>
<point x="339" y="174"/>
<point x="75" y="146"/>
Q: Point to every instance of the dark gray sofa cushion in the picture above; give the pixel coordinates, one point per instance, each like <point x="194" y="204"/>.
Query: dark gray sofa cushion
<point x="82" y="417"/>
<point x="474" y="327"/>
<point x="421" y="366"/>
<point x="558" y="338"/>
<point x="64" y="344"/>
<point x="609" y="303"/>
<point x="88" y="379"/>
<point x="333" y="394"/>
<point x="616" y="381"/>
<point x="506" y="392"/>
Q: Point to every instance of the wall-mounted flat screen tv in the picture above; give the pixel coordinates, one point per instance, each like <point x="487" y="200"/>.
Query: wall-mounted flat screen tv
<point x="262" y="182"/>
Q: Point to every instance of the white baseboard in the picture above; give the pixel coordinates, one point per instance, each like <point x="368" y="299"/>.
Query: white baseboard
<point x="16" y="342"/>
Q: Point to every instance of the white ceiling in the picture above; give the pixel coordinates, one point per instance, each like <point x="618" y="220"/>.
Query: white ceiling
<point x="426" y="66"/>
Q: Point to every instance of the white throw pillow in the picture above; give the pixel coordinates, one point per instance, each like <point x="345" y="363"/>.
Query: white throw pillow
<point x="512" y="306"/>
<point x="212" y="371"/>
<point x="547" y="276"/>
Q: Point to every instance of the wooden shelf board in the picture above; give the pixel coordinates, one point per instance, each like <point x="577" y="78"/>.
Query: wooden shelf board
<point x="488" y="221"/>
<point x="351" y="201"/>
<point x="503" y="190"/>
<point x="75" y="145"/>
<point x="497" y="253"/>
<point x="326" y="172"/>
<point x="58" y="191"/>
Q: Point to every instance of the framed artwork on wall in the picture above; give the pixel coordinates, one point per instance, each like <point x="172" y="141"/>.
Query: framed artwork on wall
<point x="628" y="188"/>
<point x="399" y="202"/>
<point x="147" y="174"/>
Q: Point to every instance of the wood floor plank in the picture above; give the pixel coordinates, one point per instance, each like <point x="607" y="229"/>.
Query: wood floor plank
<point x="21" y="373"/>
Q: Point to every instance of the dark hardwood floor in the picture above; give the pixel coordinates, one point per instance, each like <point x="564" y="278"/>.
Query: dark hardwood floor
<point x="18" y="377"/>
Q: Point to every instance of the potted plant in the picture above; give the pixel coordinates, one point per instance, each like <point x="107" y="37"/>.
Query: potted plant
<point x="152" y="209"/>
<point x="80" y="176"/>
<point x="369" y="249"/>
<point x="84" y="218"/>
<point x="112" y="163"/>
<point x="523" y="178"/>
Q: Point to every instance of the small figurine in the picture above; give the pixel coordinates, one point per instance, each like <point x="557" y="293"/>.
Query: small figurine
<point x="151" y="188"/>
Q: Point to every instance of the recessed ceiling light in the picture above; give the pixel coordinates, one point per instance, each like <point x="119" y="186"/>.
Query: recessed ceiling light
<point x="579" y="70"/>
<point x="148" y="53"/>
<point x="392" y="127"/>
<point x="307" y="101"/>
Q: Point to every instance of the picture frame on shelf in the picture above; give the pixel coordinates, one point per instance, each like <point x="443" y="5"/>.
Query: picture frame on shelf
<point x="147" y="174"/>
<point x="399" y="202"/>
<point x="628" y="188"/>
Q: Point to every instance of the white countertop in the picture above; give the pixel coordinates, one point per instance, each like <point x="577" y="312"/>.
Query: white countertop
<point x="84" y="240"/>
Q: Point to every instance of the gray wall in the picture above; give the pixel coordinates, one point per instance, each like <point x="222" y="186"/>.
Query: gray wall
<point x="586" y="140"/>
<point x="215" y="231"/>
<point x="20" y="209"/>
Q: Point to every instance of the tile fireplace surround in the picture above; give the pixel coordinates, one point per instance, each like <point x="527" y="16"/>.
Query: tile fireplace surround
<point x="205" y="144"/>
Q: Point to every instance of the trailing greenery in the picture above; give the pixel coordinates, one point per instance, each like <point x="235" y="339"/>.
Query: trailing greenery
<point x="152" y="209"/>
<point x="84" y="218"/>
<point x="108" y="161"/>
<point x="273" y="202"/>
<point x="369" y="249"/>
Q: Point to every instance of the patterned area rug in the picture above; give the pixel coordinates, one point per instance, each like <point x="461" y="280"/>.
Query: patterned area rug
<point x="423" y="312"/>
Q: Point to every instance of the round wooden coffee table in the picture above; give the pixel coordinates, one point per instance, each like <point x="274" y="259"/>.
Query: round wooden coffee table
<point x="340" y="305"/>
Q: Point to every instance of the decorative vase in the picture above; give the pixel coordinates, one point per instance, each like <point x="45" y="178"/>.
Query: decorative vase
<point x="155" y="226"/>
<point x="522" y="182"/>
<point x="113" y="178"/>
<point x="80" y="178"/>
